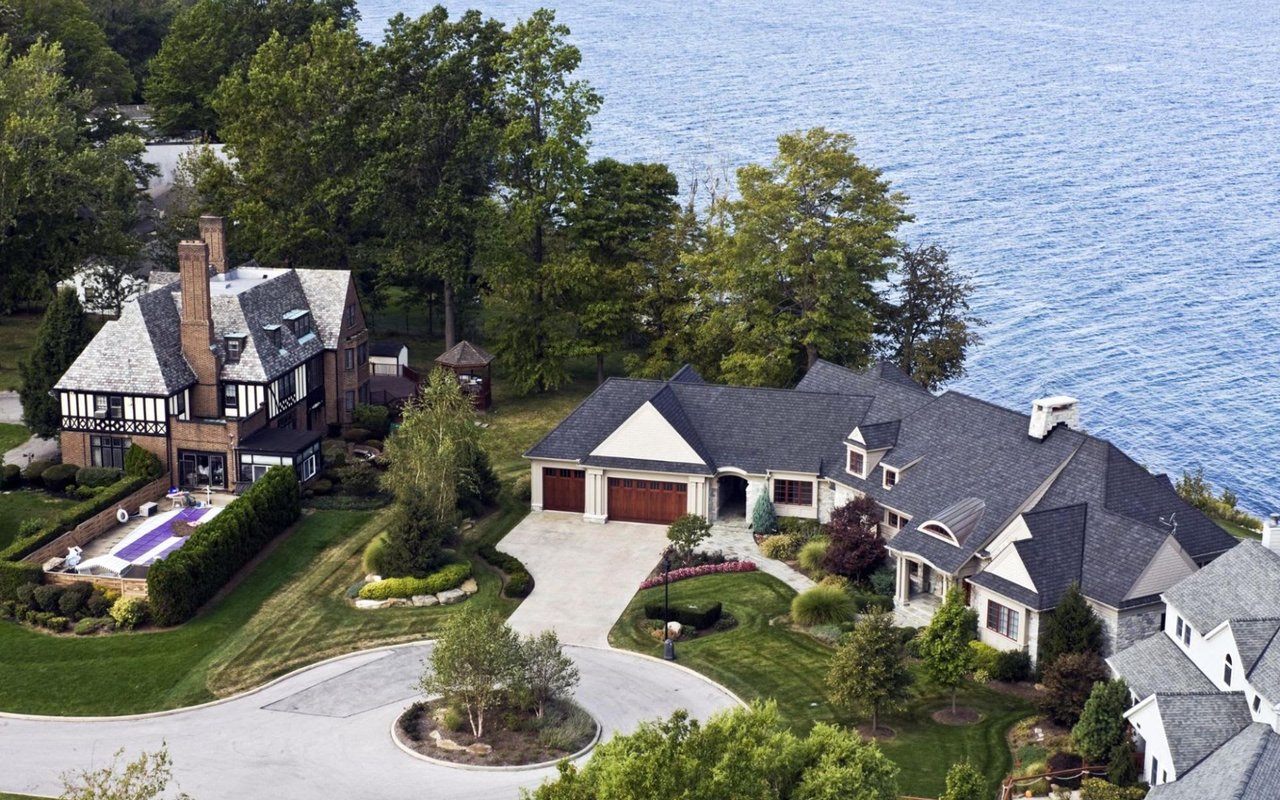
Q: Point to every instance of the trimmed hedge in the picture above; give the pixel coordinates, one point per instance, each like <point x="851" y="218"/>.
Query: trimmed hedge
<point x="16" y="573"/>
<point x="180" y="584"/>
<point x="10" y="476"/>
<point x="59" y="476"/>
<point x="697" y="616"/>
<point x="97" y="476"/>
<point x="694" y="572"/>
<point x="450" y="577"/>
<point x="35" y="469"/>
<point x="72" y="517"/>
<point x="1012" y="666"/>
<point x="519" y="581"/>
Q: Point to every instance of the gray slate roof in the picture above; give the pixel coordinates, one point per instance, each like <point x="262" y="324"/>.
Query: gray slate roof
<point x="1157" y="663"/>
<point x="465" y="354"/>
<point x="1246" y="767"/>
<point x="326" y="292"/>
<point x="1196" y="724"/>
<point x="1241" y="584"/>
<point x="139" y="353"/>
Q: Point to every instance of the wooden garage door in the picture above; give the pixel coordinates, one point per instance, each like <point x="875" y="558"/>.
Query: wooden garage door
<point x="564" y="489"/>
<point x="632" y="500"/>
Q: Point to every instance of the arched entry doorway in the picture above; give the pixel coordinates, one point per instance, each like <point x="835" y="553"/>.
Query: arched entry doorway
<point x="731" y="494"/>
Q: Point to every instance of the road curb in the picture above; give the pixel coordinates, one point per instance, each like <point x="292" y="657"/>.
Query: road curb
<point x="481" y="768"/>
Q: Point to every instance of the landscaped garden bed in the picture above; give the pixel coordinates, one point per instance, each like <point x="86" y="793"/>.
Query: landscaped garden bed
<point x="438" y="730"/>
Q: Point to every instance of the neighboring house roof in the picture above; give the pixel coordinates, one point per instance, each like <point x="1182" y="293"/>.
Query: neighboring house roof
<point x="139" y="353"/>
<point x="1157" y="664"/>
<point x="464" y="354"/>
<point x="687" y="374"/>
<point x="385" y="349"/>
<point x="1240" y="584"/>
<point x="1245" y="767"/>
<point x="1196" y="724"/>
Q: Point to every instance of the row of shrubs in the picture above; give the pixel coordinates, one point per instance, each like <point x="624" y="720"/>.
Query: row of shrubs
<point x="448" y="577"/>
<point x="33" y="533"/>
<point x="181" y="583"/>
<point x="685" y="573"/>
<point x="58" y="610"/>
<point x="1010" y="666"/>
<point x="699" y="616"/>
<point x="519" y="581"/>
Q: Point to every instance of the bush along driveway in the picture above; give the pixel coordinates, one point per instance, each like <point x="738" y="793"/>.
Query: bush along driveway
<point x="762" y="657"/>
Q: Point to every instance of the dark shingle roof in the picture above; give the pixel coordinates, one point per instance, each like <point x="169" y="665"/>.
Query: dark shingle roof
<point x="1054" y="555"/>
<point x="1157" y="664"/>
<point x="687" y="374"/>
<point x="385" y="349"/>
<point x="465" y="354"/>
<point x="879" y="435"/>
<point x="326" y="291"/>
<point x="1007" y="588"/>
<point x="1246" y="767"/>
<point x="1240" y="584"/>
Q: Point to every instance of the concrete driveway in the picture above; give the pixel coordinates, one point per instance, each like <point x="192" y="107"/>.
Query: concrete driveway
<point x="584" y="573"/>
<point x="326" y="732"/>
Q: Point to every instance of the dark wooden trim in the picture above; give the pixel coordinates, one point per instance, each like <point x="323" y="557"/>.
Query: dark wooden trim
<point x="137" y="427"/>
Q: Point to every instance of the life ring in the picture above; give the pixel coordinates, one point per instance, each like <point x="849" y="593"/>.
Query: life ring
<point x="122" y="515"/>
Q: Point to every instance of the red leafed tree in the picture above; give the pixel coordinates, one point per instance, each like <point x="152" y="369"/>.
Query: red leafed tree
<point x="856" y="547"/>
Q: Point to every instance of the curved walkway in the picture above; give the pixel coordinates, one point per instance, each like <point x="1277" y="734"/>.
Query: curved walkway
<point x="325" y="731"/>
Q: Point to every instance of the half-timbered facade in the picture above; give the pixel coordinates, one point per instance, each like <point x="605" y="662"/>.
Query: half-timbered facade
<point x="221" y="372"/>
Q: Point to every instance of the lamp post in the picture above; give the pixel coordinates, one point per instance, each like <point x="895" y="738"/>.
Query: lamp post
<point x="668" y="646"/>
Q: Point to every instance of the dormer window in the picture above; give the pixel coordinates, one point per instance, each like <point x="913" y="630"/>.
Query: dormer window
<point x="273" y="335"/>
<point x="857" y="463"/>
<point x="299" y="321"/>
<point x="233" y="346"/>
<point x="890" y="477"/>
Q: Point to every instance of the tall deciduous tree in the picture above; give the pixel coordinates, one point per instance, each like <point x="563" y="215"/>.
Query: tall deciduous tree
<point x="433" y="145"/>
<point x="867" y="673"/>
<point x="68" y="191"/>
<point x="927" y="328"/>
<point x="534" y="273"/>
<point x="944" y="644"/>
<point x="546" y="673"/>
<point x="290" y="123"/>
<point x="1102" y="725"/>
<point x="742" y="754"/>
<point x="62" y="334"/>
<point x="91" y="64"/>
<point x="135" y="29"/>
<point x="793" y="262"/>
<point x="212" y="39"/>
<point x="1071" y="627"/>
<point x="856" y="547"/>
<point x="474" y="663"/>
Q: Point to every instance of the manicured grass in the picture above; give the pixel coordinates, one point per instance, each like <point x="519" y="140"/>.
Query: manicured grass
<point x="17" y="335"/>
<point x="20" y="504"/>
<point x="762" y="660"/>
<point x="12" y="436"/>
<point x="286" y="613"/>
<point x="7" y="796"/>
<point x="1238" y="531"/>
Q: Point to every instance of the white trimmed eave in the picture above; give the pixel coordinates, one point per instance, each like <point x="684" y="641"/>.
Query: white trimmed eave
<point x="1141" y="705"/>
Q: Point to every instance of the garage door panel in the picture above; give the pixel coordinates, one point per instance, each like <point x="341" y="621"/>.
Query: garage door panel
<point x="642" y="500"/>
<point x="564" y="489"/>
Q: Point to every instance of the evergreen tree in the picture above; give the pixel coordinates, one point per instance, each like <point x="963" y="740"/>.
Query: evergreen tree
<point x="944" y="645"/>
<point x="62" y="334"/>
<point x="1121" y="769"/>
<point x="415" y="540"/>
<point x="1068" y="682"/>
<point x="1102" y="726"/>
<point x="763" y="517"/>
<point x="1071" y="627"/>
<point x="964" y="782"/>
<point x="867" y="673"/>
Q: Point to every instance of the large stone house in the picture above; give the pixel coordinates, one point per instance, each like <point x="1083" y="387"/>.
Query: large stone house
<point x="221" y="372"/>
<point x="1206" y="687"/>
<point x="1012" y="508"/>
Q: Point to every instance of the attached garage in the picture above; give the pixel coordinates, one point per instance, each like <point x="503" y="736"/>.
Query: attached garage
<point x="564" y="489"/>
<point x="635" y="500"/>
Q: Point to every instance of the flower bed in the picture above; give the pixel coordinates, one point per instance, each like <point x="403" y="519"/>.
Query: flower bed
<point x="694" y="572"/>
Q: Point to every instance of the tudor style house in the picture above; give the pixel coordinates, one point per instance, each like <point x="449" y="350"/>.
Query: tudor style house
<point x="1206" y="687"/>
<point x="221" y="372"/>
<point x="1012" y="508"/>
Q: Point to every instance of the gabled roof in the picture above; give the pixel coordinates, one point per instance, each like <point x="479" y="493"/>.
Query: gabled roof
<point x="139" y="353"/>
<point x="464" y="354"/>
<point x="687" y="374"/>
<point x="1196" y="724"/>
<point x="1156" y="663"/>
<point x="1243" y="583"/>
<point x="879" y="435"/>
<point x="1054" y="555"/>
<point x="326" y="293"/>
<point x="1245" y="767"/>
<point x="385" y="349"/>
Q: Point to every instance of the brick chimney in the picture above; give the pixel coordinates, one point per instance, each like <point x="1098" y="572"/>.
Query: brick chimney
<point x="197" y="327"/>
<point x="213" y="231"/>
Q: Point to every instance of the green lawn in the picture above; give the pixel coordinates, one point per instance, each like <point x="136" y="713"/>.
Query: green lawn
<point x="760" y="660"/>
<point x="1238" y="531"/>
<point x="17" y="334"/>
<point x="12" y="436"/>
<point x="286" y="613"/>
<point x="21" y="504"/>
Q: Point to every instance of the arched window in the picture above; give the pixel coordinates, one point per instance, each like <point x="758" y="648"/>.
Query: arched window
<point x="1226" y="671"/>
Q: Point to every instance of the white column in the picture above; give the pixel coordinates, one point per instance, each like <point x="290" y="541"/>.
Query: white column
<point x="597" y="504"/>
<point x="697" y="497"/>
<point x="902" y="586"/>
<point x="535" y="486"/>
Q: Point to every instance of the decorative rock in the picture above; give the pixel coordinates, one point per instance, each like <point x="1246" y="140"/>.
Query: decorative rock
<point x="395" y="601"/>
<point x="371" y="578"/>
<point x="367" y="604"/>
<point x="469" y="586"/>
<point x="422" y="600"/>
<point x="451" y="596"/>
<point x="479" y="749"/>
<point x="673" y="630"/>
<point x="446" y="744"/>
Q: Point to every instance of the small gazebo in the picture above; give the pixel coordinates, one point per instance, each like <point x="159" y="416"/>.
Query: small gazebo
<point x="471" y="364"/>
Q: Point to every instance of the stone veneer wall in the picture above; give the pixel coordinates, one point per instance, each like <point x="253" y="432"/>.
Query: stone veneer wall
<point x="1137" y="624"/>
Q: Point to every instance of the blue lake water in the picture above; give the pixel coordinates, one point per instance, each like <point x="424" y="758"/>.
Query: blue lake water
<point x="1107" y="170"/>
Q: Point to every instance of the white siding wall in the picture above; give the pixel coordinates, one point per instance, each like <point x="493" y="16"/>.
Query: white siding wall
<point x="134" y="408"/>
<point x="1145" y="719"/>
<point x="647" y="435"/>
<point x="1027" y="631"/>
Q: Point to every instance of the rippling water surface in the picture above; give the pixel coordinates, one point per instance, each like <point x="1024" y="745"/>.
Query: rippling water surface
<point x="1108" y="170"/>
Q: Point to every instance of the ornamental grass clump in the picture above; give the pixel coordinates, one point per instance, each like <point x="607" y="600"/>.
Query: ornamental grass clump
<point x="822" y="605"/>
<point x="811" y="556"/>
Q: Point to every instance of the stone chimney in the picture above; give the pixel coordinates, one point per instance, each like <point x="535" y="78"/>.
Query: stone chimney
<point x="197" y="327"/>
<point x="213" y="231"/>
<point x="1048" y="413"/>
<point x="1271" y="533"/>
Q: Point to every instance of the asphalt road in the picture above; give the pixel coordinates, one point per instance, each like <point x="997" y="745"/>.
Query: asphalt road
<point x="326" y="732"/>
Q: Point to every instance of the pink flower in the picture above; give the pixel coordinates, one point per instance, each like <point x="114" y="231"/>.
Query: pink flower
<point x="694" y="572"/>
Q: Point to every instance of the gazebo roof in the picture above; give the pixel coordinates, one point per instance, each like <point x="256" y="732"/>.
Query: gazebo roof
<point x="465" y="354"/>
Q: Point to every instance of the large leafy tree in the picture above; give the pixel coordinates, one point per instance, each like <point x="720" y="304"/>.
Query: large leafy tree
<point x="62" y="334"/>
<point x="867" y="673"/>
<point x="533" y="271"/>
<point x="433" y="145"/>
<point x="944" y="644"/>
<point x="964" y="782"/>
<point x="135" y="29"/>
<point x="474" y="663"/>
<point x="69" y="190"/>
<point x="1071" y="627"/>
<point x="927" y="327"/>
<point x="90" y="64"/>
<point x="290" y="122"/>
<point x="1068" y="682"/>
<point x="1102" y="725"/>
<point x="793" y="262"/>
<point x="212" y="39"/>
<point x="856" y="547"/>
<point x="627" y="214"/>
<point x="742" y="754"/>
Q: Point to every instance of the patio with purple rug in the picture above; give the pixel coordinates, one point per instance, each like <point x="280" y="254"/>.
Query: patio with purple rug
<point x="127" y="551"/>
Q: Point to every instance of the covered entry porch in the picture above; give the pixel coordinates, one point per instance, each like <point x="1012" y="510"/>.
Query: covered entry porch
<point x="919" y="589"/>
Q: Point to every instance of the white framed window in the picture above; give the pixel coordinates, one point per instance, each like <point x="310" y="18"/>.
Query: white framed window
<point x="1186" y="634"/>
<point x="309" y="468"/>
<point x="894" y="520"/>
<point x="857" y="463"/>
<point x="1002" y="620"/>
<point x="890" y="477"/>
